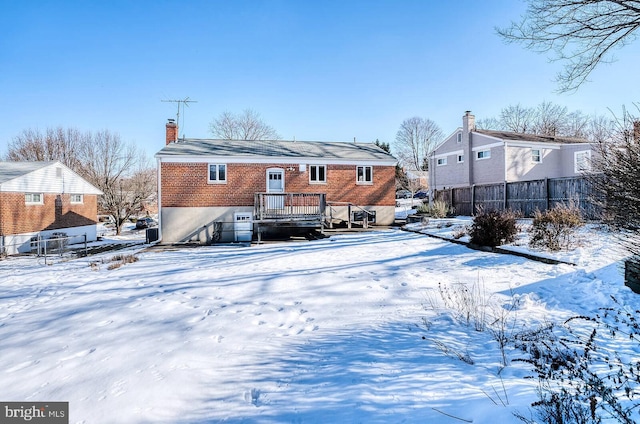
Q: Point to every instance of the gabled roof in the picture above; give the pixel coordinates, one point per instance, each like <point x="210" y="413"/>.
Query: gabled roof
<point x="12" y="170"/>
<point x="45" y="177"/>
<point x="276" y="149"/>
<point x="513" y="136"/>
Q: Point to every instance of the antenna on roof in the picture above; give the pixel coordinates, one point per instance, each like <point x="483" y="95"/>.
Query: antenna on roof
<point x="184" y="102"/>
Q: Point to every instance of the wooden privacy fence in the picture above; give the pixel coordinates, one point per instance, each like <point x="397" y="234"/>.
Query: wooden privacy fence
<point x="523" y="196"/>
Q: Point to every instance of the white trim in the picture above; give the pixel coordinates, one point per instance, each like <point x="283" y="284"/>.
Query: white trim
<point x="364" y="181"/>
<point x="318" y="181"/>
<point x="477" y="157"/>
<point x="76" y="202"/>
<point x="540" y="155"/>
<point x="575" y="161"/>
<point x="454" y="153"/>
<point x="217" y="181"/>
<point x="278" y="160"/>
<point x="487" y="146"/>
<point x="33" y="202"/>
<point x="534" y="145"/>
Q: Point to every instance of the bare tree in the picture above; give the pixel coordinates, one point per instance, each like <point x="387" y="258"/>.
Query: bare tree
<point x="53" y="144"/>
<point x="577" y="125"/>
<point x="246" y="126"/>
<point x="517" y="118"/>
<point x="550" y="119"/>
<point x="415" y="140"/>
<point x="488" y="124"/>
<point x="600" y="129"/>
<point x="579" y="33"/>
<point x="121" y="172"/>
<point x="616" y="182"/>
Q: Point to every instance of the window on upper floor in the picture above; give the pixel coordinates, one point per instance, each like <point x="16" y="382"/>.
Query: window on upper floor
<point x="317" y="174"/>
<point x="483" y="154"/>
<point x="441" y="161"/>
<point x="536" y="155"/>
<point x="217" y="173"/>
<point x="459" y="137"/>
<point x="364" y="174"/>
<point x="582" y="161"/>
<point x="77" y="198"/>
<point x="33" y="198"/>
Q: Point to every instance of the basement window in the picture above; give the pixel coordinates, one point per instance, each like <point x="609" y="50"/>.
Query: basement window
<point x="77" y="198"/>
<point x="217" y="173"/>
<point x="33" y="198"/>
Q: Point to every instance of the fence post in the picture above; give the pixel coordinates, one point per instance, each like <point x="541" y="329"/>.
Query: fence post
<point x="473" y="200"/>
<point x="505" y="197"/>
<point x="546" y="193"/>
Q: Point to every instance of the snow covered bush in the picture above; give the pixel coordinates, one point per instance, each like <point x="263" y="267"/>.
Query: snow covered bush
<point x="494" y="228"/>
<point x="555" y="229"/>
<point x="582" y="377"/>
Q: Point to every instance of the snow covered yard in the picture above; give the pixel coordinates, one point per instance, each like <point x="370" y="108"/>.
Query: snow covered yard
<point x="345" y="329"/>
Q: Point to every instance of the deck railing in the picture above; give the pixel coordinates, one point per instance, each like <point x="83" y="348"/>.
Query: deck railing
<point x="289" y="206"/>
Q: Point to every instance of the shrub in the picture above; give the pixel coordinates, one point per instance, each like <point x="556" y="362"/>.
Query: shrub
<point x="555" y="229"/>
<point x="581" y="376"/>
<point x="437" y="209"/>
<point x="494" y="228"/>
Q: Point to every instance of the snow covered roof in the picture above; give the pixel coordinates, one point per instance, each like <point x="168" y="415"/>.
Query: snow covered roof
<point x="277" y="149"/>
<point x="514" y="136"/>
<point x="45" y="177"/>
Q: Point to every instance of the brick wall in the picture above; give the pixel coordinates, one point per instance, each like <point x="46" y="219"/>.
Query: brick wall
<point x="56" y="212"/>
<point x="185" y="185"/>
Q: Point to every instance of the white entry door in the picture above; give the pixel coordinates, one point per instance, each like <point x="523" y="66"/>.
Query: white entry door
<point x="275" y="184"/>
<point x="242" y="226"/>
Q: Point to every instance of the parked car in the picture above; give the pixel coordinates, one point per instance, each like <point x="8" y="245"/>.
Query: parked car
<point x="403" y="194"/>
<point x="421" y="195"/>
<point x="145" y="222"/>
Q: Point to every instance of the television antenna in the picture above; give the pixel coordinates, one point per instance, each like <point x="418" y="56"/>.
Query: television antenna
<point x="184" y="102"/>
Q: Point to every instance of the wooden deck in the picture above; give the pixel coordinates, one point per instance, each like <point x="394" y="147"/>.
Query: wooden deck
<point x="294" y="209"/>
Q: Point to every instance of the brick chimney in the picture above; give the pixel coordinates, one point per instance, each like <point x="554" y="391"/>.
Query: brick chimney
<point x="172" y="131"/>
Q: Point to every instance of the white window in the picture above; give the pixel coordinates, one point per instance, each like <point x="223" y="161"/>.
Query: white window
<point x="217" y="173"/>
<point x="536" y="156"/>
<point x="483" y="154"/>
<point x="77" y="198"/>
<point x="460" y="158"/>
<point x="459" y="137"/>
<point x="582" y="161"/>
<point x="441" y="161"/>
<point x="364" y="174"/>
<point x="33" y="198"/>
<point x="317" y="174"/>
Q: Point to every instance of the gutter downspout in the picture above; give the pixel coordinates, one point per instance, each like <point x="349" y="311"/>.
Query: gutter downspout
<point x="159" y="182"/>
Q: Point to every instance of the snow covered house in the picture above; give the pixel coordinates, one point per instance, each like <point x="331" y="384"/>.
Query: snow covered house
<point x="40" y="198"/>
<point x="235" y="190"/>
<point x="471" y="156"/>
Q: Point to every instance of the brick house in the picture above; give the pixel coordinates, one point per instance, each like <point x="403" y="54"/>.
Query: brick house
<point x="40" y="198"/>
<point x="471" y="156"/>
<point x="228" y="190"/>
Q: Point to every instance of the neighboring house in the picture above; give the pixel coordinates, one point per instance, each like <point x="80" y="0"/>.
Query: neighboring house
<point x="227" y="190"/>
<point x="40" y="198"/>
<point x="471" y="156"/>
<point x="417" y="179"/>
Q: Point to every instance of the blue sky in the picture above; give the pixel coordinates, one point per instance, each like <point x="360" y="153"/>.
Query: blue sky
<point x="315" y="70"/>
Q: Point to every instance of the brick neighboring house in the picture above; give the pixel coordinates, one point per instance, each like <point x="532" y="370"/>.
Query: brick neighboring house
<point x="40" y="198"/>
<point x="471" y="156"/>
<point x="226" y="190"/>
